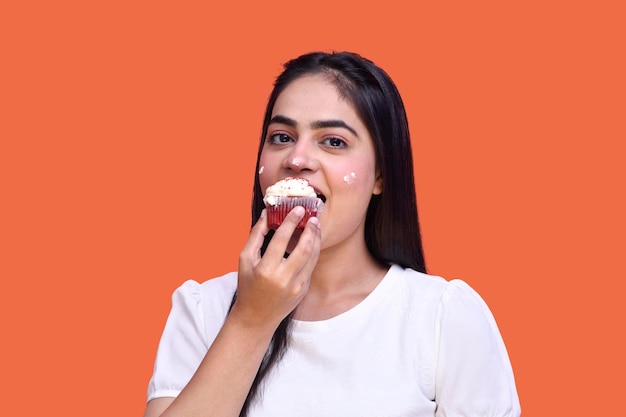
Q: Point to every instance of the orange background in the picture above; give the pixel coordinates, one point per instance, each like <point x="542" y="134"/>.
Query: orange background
<point x="129" y="131"/>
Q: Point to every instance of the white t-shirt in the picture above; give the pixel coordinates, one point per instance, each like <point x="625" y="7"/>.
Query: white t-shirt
<point x="418" y="345"/>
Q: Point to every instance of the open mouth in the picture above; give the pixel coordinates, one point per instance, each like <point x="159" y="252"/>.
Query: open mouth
<point x="321" y="197"/>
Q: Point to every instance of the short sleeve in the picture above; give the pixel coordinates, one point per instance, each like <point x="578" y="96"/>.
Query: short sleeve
<point x="473" y="372"/>
<point x="183" y="343"/>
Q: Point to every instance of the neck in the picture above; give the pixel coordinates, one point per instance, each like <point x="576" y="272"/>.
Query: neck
<point x="342" y="278"/>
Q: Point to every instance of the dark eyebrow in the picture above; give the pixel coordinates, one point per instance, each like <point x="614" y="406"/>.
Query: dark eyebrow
<point x="320" y="124"/>
<point x="283" y="120"/>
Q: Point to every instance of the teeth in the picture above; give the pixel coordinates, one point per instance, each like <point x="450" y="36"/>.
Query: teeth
<point x="321" y="197"/>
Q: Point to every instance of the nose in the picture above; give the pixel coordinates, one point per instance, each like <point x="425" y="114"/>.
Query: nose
<point x="301" y="158"/>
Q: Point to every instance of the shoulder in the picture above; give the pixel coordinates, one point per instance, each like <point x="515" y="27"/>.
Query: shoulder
<point x="434" y="287"/>
<point x="435" y="297"/>
<point x="416" y="279"/>
<point x="452" y="309"/>
<point x="213" y="289"/>
<point x="206" y="302"/>
<point x="418" y="284"/>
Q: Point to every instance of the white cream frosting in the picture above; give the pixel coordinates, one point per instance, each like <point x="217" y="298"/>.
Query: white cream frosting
<point x="288" y="187"/>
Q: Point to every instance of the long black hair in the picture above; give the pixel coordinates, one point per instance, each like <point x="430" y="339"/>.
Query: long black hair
<point x="392" y="231"/>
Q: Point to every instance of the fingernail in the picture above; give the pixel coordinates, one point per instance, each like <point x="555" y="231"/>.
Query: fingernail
<point x="299" y="210"/>
<point x="315" y="221"/>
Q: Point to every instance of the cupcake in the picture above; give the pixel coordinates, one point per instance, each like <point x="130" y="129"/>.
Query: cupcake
<point x="286" y="194"/>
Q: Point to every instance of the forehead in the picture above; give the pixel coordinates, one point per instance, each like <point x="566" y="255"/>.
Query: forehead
<point x="314" y="95"/>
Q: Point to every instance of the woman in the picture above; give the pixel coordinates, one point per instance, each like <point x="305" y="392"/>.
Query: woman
<point x="340" y="318"/>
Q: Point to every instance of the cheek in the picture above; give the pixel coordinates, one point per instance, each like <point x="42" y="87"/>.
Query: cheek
<point x="356" y="171"/>
<point x="266" y="170"/>
<point x="263" y="174"/>
<point x="356" y="175"/>
<point x="350" y="178"/>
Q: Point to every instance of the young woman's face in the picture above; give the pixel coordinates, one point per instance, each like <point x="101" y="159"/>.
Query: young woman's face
<point x="316" y="134"/>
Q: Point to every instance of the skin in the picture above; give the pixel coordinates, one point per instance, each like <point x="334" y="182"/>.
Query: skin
<point x="321" y="277"/>
<point x="317" y="134"/>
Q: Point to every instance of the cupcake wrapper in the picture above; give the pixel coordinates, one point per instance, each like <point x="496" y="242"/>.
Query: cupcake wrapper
<point x="283" y="205"/>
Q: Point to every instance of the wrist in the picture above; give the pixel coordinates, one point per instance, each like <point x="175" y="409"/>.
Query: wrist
<point x="252" y="323"/>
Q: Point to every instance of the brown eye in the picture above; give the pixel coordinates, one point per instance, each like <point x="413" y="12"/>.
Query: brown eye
<point x="334" y="142"/>
<point x="278" y="138"/>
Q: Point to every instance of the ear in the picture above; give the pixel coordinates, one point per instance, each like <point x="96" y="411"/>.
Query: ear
<point x="378" y="184"/>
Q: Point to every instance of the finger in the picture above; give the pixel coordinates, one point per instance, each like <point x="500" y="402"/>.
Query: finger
<point x="252" y="247"/>
<point x="305" y="256"/>
<point x="278" y="245"/>
<point x="306" y="253"/>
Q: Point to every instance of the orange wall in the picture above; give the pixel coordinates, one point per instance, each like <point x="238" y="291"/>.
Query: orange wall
<point x="128" y="136"/>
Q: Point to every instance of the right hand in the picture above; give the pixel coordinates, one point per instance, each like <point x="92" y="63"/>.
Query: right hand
<point x="270" y="287"/>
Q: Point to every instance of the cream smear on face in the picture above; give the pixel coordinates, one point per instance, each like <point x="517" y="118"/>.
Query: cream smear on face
<point x="296" y="162"/>
<point x="349" y="178"/>
<point x="261" y="170"/>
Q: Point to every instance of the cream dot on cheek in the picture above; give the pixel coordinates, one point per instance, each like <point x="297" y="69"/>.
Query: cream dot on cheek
<point x="349" y="178"/>
<point x="261" y="170"/>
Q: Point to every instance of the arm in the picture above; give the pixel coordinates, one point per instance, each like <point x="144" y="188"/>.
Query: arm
<point x="269" y="288"/>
